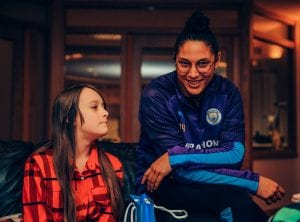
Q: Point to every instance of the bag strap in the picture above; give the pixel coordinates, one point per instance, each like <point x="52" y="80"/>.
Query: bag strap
<point x="132" y="208"/>
<point x="182" y="214"/>
<point x="177" y="214"/>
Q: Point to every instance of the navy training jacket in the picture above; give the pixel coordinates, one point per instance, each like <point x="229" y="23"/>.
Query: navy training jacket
<point x="204" y="136"/>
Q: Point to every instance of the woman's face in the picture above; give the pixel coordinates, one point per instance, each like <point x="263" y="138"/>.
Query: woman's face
<point x="95" y="116"/>
<point x="195" y="66"/>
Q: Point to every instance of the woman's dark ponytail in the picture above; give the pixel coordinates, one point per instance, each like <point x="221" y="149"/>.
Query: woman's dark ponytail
<point x="197" y="28"/>
<point x="197" y="23"/>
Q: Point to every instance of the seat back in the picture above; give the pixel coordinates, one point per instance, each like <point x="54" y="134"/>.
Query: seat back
<point x="126" y="152"/>
<point x="12" y="159"/>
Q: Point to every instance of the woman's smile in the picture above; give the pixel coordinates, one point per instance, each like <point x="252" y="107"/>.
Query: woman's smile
<point x="194" y="83"/>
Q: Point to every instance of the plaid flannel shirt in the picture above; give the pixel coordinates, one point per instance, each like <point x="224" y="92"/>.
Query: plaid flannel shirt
<point x="42" y="195"/>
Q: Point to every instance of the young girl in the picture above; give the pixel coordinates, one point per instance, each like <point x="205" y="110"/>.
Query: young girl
<point x="72" y="178"/>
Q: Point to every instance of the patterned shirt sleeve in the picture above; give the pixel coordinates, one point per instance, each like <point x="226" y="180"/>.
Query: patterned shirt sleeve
<point x="240" y="178"/>
<point x="34" y="208"/>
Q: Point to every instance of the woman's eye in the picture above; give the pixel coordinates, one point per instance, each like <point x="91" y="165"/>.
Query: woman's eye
<point x="184" y="64"/>
<point x="94" y="107"/>
<point x="203" y="64"/>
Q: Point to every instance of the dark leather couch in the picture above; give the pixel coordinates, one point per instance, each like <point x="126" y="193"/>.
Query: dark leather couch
<point x="12" y="158"/>
<point x="14" y="153"/>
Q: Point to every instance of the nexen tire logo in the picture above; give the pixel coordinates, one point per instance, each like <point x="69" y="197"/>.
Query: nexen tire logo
<point x="205" y="144"/>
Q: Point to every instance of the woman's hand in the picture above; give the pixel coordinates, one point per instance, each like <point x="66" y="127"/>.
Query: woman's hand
<point x="156" y="172"/>
<point x="296" y="198"/>
<point x="269" y="190"/>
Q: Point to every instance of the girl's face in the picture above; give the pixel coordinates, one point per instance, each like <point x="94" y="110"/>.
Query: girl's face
<point x="95" y="117"/>
<point x="195" y="66"/>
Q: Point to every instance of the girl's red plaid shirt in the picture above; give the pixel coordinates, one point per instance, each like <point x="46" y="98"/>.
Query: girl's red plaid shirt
<point x="42" y="195"/>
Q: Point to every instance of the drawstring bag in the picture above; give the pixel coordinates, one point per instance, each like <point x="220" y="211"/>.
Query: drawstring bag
<point x="142" y="210"/>
<point x="289" y="213"/>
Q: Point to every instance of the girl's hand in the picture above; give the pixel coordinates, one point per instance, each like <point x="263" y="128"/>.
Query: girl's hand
<point x="156" y="172"/>
<point x="269" y="190"/>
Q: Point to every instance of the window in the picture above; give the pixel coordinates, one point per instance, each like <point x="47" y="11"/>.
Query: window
<point x="272" y="90"/>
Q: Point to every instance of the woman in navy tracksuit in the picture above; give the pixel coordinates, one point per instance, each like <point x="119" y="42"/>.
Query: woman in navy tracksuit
<point x="192" y="135"/>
